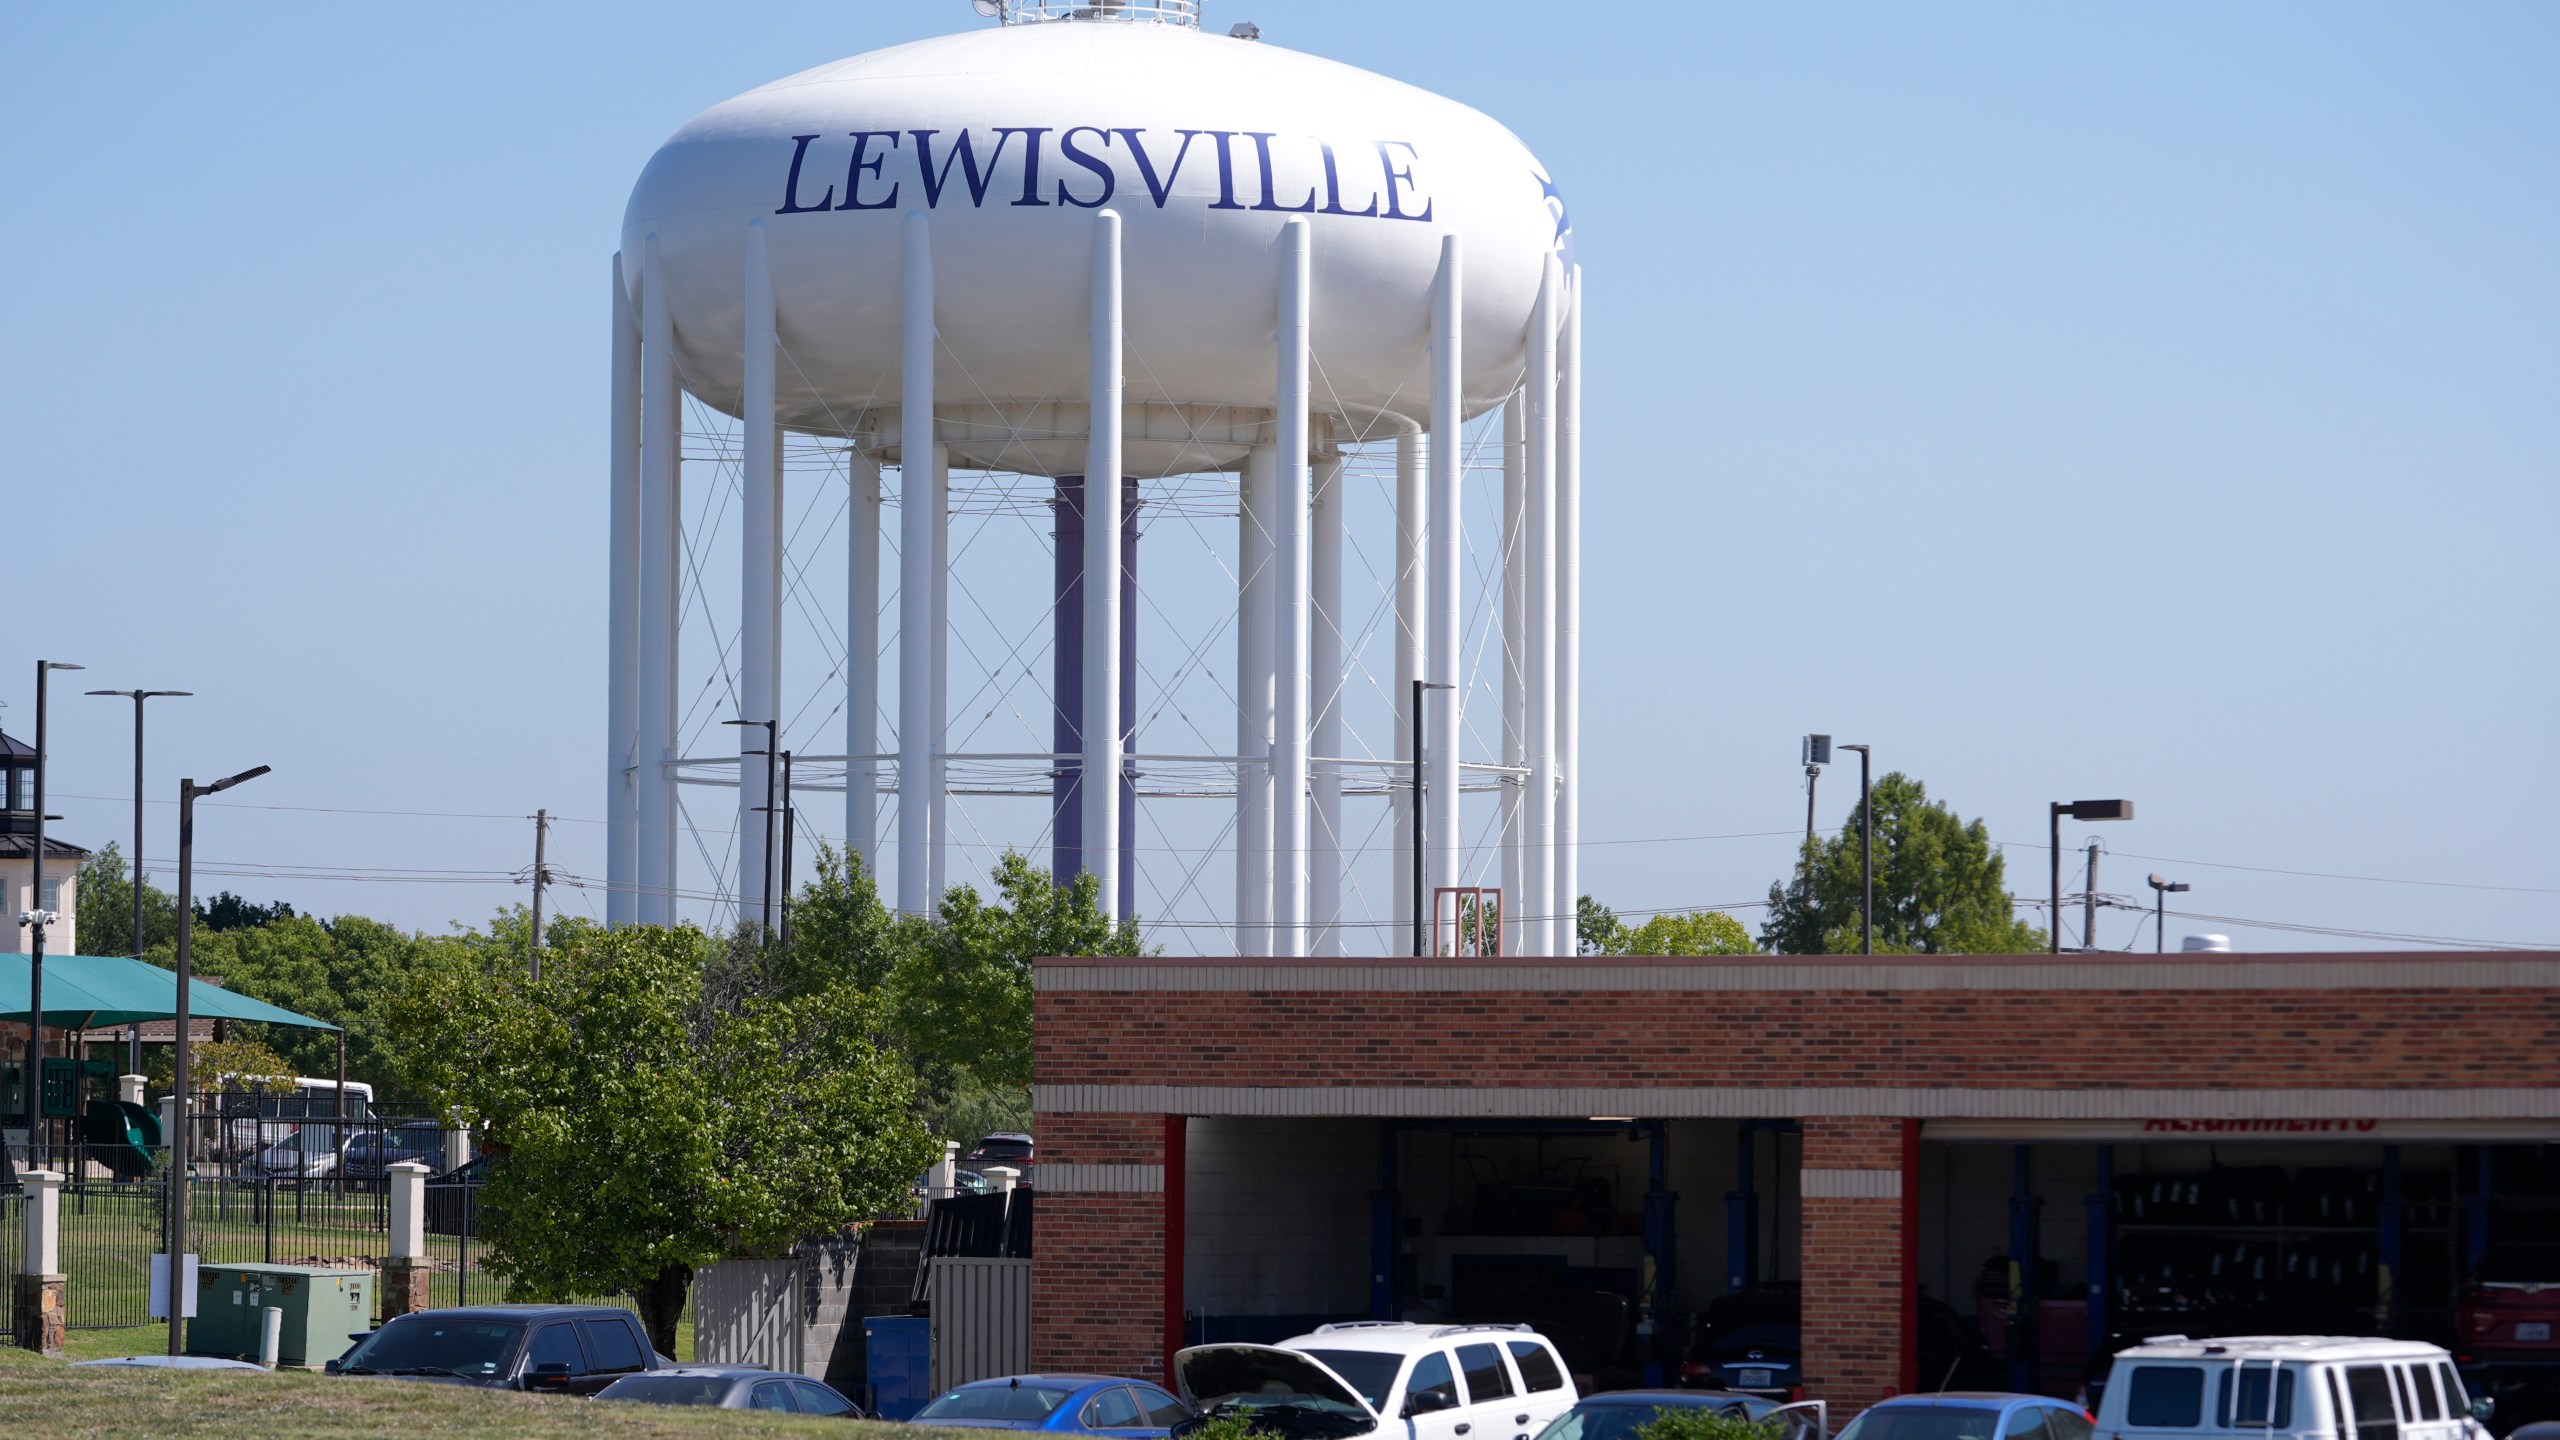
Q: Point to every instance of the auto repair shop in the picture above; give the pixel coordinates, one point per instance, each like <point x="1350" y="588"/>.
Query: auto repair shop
<point x="2066" y="1151"/>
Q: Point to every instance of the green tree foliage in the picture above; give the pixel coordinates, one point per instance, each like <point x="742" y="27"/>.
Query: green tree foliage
<point x="1702" y="932"/>
<point x="238" y="1063"/>
<point x="1940" y="887"/>
<point x="1696" y="1422"/>
<point x="655" y="1103"/>
<point x="227" y="911"/>
<point x="106" y="907"/>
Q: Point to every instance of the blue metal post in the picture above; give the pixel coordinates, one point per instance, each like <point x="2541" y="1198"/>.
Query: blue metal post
<point x="1066" y="684"/>
<point x="2024" y="1353"/>
<point x="2394" y="1231"/>
<point x="1128" y="698"/>
<point x="1661" y="1249"/>
<point x="2475" y="1236"/>
<point x="2102" y="1215"/>
<point x="1386" y="1217"/>
<point x="1742" y="1214"/>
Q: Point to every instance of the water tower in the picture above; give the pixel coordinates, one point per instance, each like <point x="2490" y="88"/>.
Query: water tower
<point x="1097" y="249"/>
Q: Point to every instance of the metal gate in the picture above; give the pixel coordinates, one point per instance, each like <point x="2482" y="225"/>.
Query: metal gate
<point x="981" y="1319"/>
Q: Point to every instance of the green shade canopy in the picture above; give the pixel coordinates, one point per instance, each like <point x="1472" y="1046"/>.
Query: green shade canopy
<point x="100" y="992"/>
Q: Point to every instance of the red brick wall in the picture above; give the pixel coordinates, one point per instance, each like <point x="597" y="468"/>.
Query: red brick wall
<point x="1097" y="1266"/>
<point x="1852" y="1261"/>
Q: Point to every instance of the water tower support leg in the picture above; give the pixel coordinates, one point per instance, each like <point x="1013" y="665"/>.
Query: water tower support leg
<point x="1253" y="704"/>
<point x="1441" y="729"/>
<point x="661" y="540"/>
<point x="1102" y="488"/>
<point x="917" y="622"/>
<point x="1515" y="674"/>
<point x="1568" y="885"/>
<point x="1412" y="523"/>
<point x="938" y="856"/>
<point x="1289" y="726"/>
<point x="759" y="584"/>
<point x="622" y="609"/>
<point x="1324" y="648"/>
<point x="1066" y="679"/>
<point x="862" y="661"/>
<point x="1128" y="697"/>
<point x="1539" y="808"/>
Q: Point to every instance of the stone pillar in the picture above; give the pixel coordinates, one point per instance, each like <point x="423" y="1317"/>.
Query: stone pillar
<point x="37" y="1316"/>
<point x="1098" y="1273"/>
<point x="457" y="1148"/>
<point x="1852" y="1185"/>
<point x="404" y="1269"/>
<point x="129" y="1089"/>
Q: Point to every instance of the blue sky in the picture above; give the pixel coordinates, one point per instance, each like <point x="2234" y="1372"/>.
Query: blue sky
<point x="2153" y="401"/>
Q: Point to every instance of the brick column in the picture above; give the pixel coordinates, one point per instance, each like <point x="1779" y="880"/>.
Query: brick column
<point x="1097" y="1275"/>
<point x="1852" y="1185"/>
<point x="36" y="1321"/>
<point x="404" y="1269"/>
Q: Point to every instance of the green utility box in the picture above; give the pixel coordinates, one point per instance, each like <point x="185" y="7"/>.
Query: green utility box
<point x="324" y="1310"/>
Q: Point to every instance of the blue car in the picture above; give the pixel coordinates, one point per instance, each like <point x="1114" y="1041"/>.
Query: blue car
<point x="1063" y="1404"/>
<point x="1972" y="1415"/>
<point x="1619" y="1414"/>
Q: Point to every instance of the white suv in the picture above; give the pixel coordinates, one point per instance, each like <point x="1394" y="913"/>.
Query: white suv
<point x="1414" y="1382"/>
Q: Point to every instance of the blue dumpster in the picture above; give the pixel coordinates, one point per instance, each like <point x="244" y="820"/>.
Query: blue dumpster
<point x="897" y="1353"/>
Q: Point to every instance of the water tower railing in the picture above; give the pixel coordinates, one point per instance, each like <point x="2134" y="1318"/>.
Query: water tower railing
<point x="1147" y="12"/>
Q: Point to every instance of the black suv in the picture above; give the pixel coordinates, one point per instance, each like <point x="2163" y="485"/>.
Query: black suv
<point x="555" y="1349"/>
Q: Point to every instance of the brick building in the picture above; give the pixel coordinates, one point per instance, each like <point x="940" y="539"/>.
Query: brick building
<point x="2061" y="1150"/>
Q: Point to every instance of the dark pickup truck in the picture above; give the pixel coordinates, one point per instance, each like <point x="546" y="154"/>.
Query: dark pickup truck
<point x="552" y="1349"/>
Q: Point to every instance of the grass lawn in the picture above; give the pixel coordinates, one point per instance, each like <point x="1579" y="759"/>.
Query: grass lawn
<point x="47" y="1397"/>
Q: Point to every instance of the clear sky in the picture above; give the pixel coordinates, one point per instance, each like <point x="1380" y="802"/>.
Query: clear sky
<point x="2150" y="400"/>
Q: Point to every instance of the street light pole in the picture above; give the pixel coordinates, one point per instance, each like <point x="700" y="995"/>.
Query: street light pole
<point x="38" y="917"/>
<point x="133" y="1033"/>
<point x="2077" y="810"/>
<point x="1866" y="854"/>
<point x="1421" y="894"/>
<point x="188" y="793"/>
<point x="772" y="739"/>
<point x="2161" y="889"/>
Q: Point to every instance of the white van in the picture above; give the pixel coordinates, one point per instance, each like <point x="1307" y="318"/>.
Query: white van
<point x="2287" y="1387"/>
<point x="1387" y="1377"/>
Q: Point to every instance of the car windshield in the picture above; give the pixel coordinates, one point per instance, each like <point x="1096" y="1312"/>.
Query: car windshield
<point x="1923" y="1422"/>
<point x="995" y="1402"/>
<point x="1620" y="1422"/>
<point x="407" y="1346"/>
<point x="1370" y="1372"/>
<point x="669" y="1389"/>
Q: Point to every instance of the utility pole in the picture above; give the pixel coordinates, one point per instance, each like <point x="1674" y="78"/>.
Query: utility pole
<point x="133" y="1033"/>
<point x="1866" y="853"/>
<point x="188" y="793"/>
<point x="787" y="821"/>
<point x="2089" y="904"/>
<point x="38" y="917"/>
<point x="1422" y="897"/>
<point x="1817" y="753"/>
<point x="541" y="876"/>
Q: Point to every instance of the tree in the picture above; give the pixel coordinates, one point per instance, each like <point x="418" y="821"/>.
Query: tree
<point x="1701" y="932"/>
<point x="1940" y="886"/>
<point x="106" y="907"/>
<point x="644" y="1121"/>
<point x="227" y="911"/>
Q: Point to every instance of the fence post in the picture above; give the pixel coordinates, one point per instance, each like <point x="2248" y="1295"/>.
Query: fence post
<point x="404" y="1269"/>
<point x="38" y="1320"/>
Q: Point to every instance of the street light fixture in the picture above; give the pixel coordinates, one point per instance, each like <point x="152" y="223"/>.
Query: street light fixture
<point x="37" y="918"/>
<point x="189" y="792"/>
<point x="133" y="1033"/>
<point x="1421" y="893"/>
<point x="772" y="741"/>
<point x="1866" y="854"/>
<point x="2077" y="810"/>
<point x="2161" y="889"/>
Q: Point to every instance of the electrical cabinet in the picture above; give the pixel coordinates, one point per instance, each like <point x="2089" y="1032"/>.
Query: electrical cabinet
<point x="324" y="1310"/>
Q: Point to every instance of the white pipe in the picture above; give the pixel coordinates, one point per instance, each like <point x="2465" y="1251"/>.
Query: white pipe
<point x="622" y="609"/>
<point x="1253" y="703"/>
<point x="1569" y="618"/>
<point x="661" y="541"/>
<point x="862" y="662"/>
<point x="1412" y="523"/>
<point x="1324" y="664"/>
<point x="1441" y="727"/>
<point x="938" y="857"/>
<point x="1515" y="675"/>
<point x="759" y="585"/>
<point x="1099" y="790"/>
<point x="917" y="622"/>
<point x="1537" y="827"/>
<point x="1289" y="723"/>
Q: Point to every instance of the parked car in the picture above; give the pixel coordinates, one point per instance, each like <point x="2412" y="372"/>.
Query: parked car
<point x="1619" y="1414"/>
<point x="1971" y="1415"/>
<point x="1437" y="1382"/>
<point x="290" y="1161"/>
<point x="371" y="1153"/>
<point x="560" y="1349"/>
<point x="2504" y="1324"/>
<point x="1069" y="1404"/>
<point x="2284" y="1387"/>
<point x="731" y="1387"/>
<point x="1751" y="1340"/>
<point x="1002" y="1148"/>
